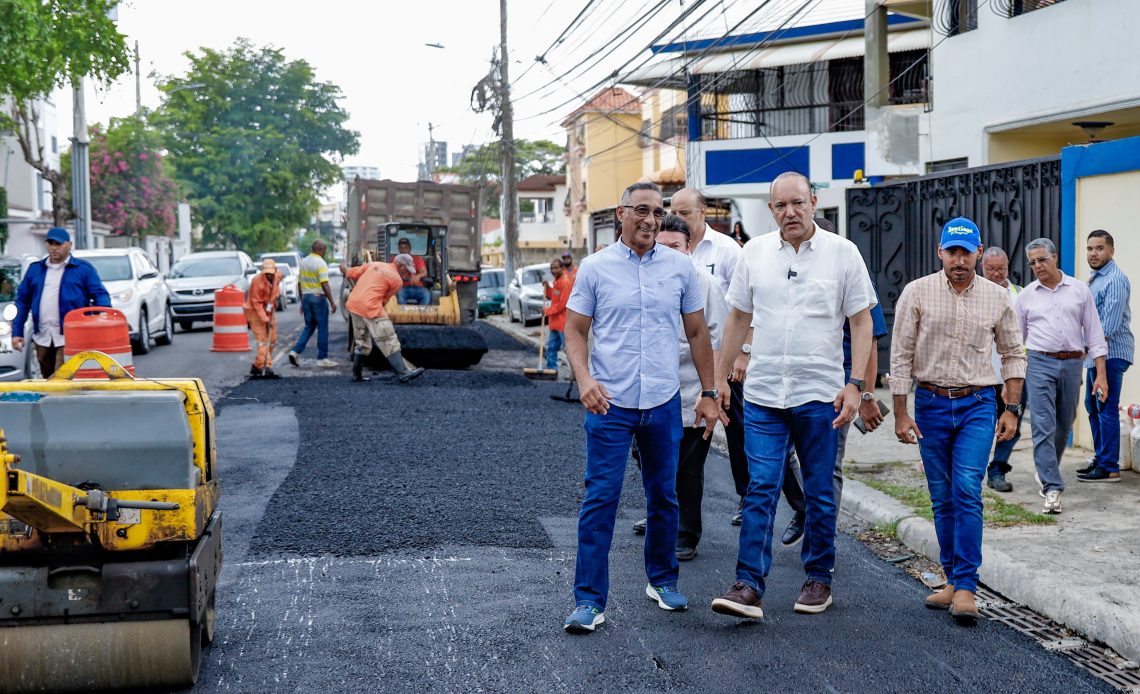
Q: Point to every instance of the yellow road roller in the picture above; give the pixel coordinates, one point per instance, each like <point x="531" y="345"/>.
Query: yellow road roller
<point x="110" y="532"/>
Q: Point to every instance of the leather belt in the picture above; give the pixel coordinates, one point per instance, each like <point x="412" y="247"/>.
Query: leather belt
<point x="1062" y="355"/>
<point x="951" y="393"/>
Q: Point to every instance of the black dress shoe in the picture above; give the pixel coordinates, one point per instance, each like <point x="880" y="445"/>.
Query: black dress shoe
<point x="999" y="483"/>
<point x="686" y="553"/>
<point x="738" y="517"/>
<point x="795" y="531"/>
<point x="639" y="526"/>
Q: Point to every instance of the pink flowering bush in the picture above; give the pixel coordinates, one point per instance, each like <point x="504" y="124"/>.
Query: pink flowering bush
<point x="131" y="188"/>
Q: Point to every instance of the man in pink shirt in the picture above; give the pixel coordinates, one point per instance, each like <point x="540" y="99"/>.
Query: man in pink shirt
<point x="1060" y="326"/>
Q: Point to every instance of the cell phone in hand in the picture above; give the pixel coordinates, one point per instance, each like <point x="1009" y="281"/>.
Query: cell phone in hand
<point x="858" y="423"/>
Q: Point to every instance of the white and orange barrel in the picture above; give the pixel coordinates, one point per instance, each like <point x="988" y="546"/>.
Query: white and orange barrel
<point x="99" y="329"/>
<point x="231" y="332"/>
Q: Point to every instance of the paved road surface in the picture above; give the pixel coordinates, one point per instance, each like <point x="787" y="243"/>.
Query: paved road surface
<point x="382" y="537"/>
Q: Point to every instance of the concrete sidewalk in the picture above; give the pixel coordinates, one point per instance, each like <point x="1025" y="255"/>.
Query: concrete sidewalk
<point x="1081" y="571"/>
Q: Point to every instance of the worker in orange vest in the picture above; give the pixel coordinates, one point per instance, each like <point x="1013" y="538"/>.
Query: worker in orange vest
<point x="375" y="284"/>
<point x="261" y="312"/>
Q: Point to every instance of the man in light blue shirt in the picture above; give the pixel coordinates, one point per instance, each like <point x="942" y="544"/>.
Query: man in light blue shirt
<point x="1111" y="293"/>
<point x="630" y="294"/>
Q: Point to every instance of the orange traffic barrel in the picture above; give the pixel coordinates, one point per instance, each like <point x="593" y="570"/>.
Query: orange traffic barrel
<point x="231" y="334"/>
<point x="99" y="329"/>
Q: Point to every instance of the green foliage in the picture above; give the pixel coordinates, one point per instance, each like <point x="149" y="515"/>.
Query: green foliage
<point x="131" y="186"/>
<point x="483" y="165"/>
<point x="254" y="138"/>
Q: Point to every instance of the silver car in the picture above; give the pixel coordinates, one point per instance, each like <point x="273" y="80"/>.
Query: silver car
<point x="196" y="276"/>
<point x="137" y="290"/>
<point x="526" y="298"/>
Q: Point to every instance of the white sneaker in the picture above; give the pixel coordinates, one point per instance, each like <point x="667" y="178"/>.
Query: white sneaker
<point x="1052" y="502"/>
<point x="1040" y="487"/>
<point x="327" y="363"/>
<point x="294" y="358"/>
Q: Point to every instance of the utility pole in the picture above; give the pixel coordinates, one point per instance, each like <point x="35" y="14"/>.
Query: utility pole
<point x="81" y="172"/>
<point x="510" y="204"/>
<point x="429" y="158"/>
<point x="138" y="83"/>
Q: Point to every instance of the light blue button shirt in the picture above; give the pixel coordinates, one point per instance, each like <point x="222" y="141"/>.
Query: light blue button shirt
<point x="634" y="302"/>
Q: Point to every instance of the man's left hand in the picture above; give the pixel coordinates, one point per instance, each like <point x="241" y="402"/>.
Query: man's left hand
<point x="1006" y="426"/>
<point x="708" y="411"/>
<point x="1100" y="384"/>
<point x="846" y="404"/>
<point x="739" y="368"/>
<point x="871" y="414"/>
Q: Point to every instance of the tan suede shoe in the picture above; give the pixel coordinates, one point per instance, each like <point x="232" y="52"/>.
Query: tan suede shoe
<point x="962" y="608"/>
<point x="942" y="599"/>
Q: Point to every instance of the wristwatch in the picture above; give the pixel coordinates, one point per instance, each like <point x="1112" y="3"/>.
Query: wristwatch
<point x="1017" y="409"/>
<point x="714" y="393"/>
<point x="746" y="348"/>
<point x="858" y="383"/>
<point x="868" y="396"/>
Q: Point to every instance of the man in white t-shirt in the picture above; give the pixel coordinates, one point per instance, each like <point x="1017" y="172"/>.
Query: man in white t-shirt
<point x="794" y="288"/>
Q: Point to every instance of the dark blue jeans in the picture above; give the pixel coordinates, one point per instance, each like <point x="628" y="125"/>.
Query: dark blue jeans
<point x="315" y="308"/>
<point x="554" y="342"/>
<point x="955" y="445"/>
<point x="767" y="433"/>
<point x="608" y="437"/>
<point x="1105" y="419"/>
<point x="414" y="295"/>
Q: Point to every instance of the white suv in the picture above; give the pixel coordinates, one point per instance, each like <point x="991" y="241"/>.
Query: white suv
<point x="136" y="289"/>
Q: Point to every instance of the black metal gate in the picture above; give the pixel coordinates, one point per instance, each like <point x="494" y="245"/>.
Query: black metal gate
<point x="897" y="226"/>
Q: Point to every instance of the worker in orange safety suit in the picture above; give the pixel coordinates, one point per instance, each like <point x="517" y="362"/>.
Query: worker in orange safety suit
<point x="375" y="284"/>
<point x="261" y="312"/>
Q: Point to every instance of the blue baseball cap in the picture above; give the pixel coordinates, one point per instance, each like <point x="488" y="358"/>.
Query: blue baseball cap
<point x="59" y="235"/>
<point x="961" y="232"/>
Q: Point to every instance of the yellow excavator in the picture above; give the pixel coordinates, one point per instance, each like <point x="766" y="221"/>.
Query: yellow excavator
<point x="110" y="531"/>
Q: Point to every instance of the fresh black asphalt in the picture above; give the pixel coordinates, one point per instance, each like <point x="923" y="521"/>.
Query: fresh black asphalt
<point x="387" y="537"/>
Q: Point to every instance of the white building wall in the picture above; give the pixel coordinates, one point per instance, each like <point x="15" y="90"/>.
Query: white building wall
<point x="554" y="231"/>
<point x="28" y="196"/>
<point x="1066" y="61"/>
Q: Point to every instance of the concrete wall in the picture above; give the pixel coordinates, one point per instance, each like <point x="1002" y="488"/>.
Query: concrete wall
<point x="613" y="159"/>
<point x="1059" y="63"/>
<point x="1110" y="202"/>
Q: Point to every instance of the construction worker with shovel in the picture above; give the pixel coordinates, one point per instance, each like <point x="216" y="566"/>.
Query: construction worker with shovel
<point x="375" y="284"/>
<point x="260" y="311"/>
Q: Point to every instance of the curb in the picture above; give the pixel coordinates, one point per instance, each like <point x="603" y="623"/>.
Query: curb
<point x="1110" y="619"/>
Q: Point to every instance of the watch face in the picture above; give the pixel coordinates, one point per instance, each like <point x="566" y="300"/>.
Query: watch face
<point x="868" y="396"/>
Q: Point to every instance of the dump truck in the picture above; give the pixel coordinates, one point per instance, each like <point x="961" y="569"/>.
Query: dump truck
<point x="110" y="534"/>
<point x="442" y="223"/>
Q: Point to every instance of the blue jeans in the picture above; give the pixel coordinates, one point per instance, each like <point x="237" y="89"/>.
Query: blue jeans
<point x="767" y="432"/>
<point x="1105" y="422"/>
<point x="955" y="445"/>
<point x="554" y="342"/>
<point x="608" y="436"/>
<point x="1054" y="388"/>
<point x="315" y="308"/>
<point x="414" y="295"/>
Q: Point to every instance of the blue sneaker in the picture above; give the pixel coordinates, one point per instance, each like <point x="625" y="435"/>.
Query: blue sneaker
<point x="667" y="597"/>
<point x="584" y="619"/>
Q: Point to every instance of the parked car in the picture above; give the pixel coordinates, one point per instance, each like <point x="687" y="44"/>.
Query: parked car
<point x="14" y="366"/>
<point x="136" y="289"/>
<point x="525" y="295"/>
<point x="492" y="292"/>
<point x="290" y="258"/>
<point x="290" y="285"/>
<point x="196" y="276"/>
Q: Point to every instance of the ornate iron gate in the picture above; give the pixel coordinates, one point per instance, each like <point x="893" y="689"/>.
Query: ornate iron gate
<point x="897" y="226"/>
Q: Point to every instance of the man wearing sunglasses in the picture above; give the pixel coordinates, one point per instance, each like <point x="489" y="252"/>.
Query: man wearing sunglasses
<point x="630" y="294"/>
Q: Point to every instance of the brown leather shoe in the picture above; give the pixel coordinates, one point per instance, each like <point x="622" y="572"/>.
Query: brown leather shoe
<point x="740" y="601"/>
<point x="815" y="597"/>
<point x="962" y="608"/>
<point x="942" y="599"/>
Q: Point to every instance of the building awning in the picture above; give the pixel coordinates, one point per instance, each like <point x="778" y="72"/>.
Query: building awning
<point x="670" y="73"/>
<point x="674" y="174"/>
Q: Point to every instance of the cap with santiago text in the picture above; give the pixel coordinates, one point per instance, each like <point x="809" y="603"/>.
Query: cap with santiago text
<point x="58" y="234"/>
<point x="961" y="232"/>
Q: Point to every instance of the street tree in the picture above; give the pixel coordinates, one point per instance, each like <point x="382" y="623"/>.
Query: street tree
<point x="254" y="138"/>
<point x="44" y="45"/>
<point x="481" y="166"/>
<point x="131" y="185"/>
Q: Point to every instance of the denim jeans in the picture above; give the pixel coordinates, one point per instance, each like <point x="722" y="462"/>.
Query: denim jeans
<point x="1104" y="420"/>
<point x="315" y="308"/>
<point x="414" y="295"/>
<point x="1002" y="449"/>
<point x="608" y="437"/>
<point x="768" y="431"/>
<point x="955" y="445"/>
<point x="554" y="342"/>
<point x="794" y="487"/>
<point x="1054" y="388"/>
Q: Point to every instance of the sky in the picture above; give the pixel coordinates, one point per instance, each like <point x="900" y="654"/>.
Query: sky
<point x="393" y="84"/>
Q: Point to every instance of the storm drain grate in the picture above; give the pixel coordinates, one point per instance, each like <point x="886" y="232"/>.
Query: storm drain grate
<point x="1098" y="660"/>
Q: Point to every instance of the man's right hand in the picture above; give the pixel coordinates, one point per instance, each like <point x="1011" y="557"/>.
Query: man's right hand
<point x="594" y="396"/>
<point x="18" y="344"/>
<point x="905" y="428"/>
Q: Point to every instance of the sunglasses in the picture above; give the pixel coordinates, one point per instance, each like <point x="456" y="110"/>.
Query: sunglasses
<point x="645" y="210"/>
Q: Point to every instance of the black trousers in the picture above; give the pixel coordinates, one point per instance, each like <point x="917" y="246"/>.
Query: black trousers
<point x="734" y="434"/>
<point x="691" y="485"/>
